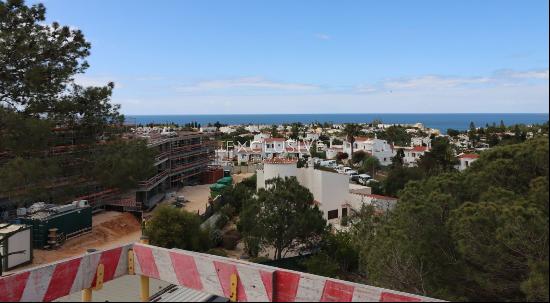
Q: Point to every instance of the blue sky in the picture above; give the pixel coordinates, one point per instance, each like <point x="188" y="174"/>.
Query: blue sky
<point x="234" y="57"/>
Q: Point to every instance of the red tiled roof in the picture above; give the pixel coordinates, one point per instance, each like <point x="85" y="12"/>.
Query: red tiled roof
<point x="280" y="161"/>
<point x="362" y="139"/>
<point x="469" y="156"/>
<point x="275" y="140"/>
<point x="420" y="148"/>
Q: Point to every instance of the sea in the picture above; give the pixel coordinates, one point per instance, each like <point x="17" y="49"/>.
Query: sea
<point x="459" y="121"/>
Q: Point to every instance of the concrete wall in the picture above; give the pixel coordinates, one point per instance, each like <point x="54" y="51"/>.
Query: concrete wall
<point x="331" y="190"/>
<point x="272" y="171"/>
<point x="19" y="242"/>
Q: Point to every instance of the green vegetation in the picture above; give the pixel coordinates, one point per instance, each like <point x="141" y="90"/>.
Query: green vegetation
<point x="439" y="159"/>
<point x="57" y="138"/>
<point x="283" y="217"/>
<point x="477" y="235"/>
<point x="175" y="228"/>
<point x="396" y="134"/>
<point x="370" y="166"/>
<point x="351" y="130"/>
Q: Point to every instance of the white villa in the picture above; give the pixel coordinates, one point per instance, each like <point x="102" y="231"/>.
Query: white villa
<point x="265" y="147"/>
<point x="466" y="160"/>
<point x="413" y="154"/>
<point x="332" y="192"/>
<point x="378" y="148"/>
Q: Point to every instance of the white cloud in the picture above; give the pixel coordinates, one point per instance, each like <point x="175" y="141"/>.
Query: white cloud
<point x="502" y="78"/>
<point x="433" y="82"/>
<point x="530" y="74"/>
<point x="322" y="36"/>
<point x="246" y="83"/>
<point x="510" y="91"/>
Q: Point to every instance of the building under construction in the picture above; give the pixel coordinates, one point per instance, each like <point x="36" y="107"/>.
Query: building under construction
<point x="180" y="159"/>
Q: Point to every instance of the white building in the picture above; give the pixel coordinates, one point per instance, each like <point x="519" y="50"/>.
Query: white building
<point x="224" y="156"/>
<point x="208" y="129"/>
<point x="378" y="148"/>
<point x="333" y="151"/>
<point x="227" y="129"/>
<point x="261" y="137"/>
<point x="265" y="147"/>
<point x="312" y="136"/>
<point x="332" y="192"/>
<point x="413" y="154"/>
<point x="466" y="160"/>
<point x="421" y="141"/>
<point x="358" y="198"/>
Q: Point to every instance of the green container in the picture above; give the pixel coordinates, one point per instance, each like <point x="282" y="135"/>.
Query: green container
<point x="225" y="181"/>
<point x="69" y="224"/>
<point x="216" y="189"/>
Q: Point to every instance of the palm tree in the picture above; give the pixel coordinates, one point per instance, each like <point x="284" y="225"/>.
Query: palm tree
<point x="351" y="130"/>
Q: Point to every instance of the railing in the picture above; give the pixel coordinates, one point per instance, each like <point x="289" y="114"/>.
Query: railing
<point x="155" y="179"/>
<point x="181" y="168"/>
<point x="162" y="156"/>
<point x="230" y="278"/>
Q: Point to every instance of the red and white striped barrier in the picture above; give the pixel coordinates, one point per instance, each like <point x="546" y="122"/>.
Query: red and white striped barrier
<point x="203" y="272"/>
<point x="211" y="274"/>
<point x="59" y="279"/>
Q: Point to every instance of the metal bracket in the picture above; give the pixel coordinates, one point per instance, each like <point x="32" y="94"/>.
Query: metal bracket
<point x="131" y="268"/>
<point x="234" y="282"/>
<point x="99" y="277"/>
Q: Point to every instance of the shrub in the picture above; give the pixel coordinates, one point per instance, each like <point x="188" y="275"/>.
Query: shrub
<point x="216" y="237"/>
<point x="228" y="210"/>
<point x="174" y="228"/>
<point x="222" y="221"/>
<point x="231" y="239"/>
<point x="322" y="265"/>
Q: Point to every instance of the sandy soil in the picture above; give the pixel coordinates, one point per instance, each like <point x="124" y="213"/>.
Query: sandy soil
<point x="197" y="196"/>
<point x="109" y="229"/>
<point x="240" y="177"/>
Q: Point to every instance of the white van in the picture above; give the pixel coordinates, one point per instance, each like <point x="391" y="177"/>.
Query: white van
<point x="329" y="163"/>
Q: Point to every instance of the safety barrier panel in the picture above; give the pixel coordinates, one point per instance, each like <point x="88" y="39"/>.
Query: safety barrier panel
<point x="235" y="279"/>
<point x="59" y="279"/>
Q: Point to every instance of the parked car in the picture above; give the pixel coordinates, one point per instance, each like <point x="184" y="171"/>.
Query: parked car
<point x="363" y="179"/>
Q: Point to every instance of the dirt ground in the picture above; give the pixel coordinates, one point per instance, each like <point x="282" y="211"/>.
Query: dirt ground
<point x="240" y="177"/>
<point x="109" y="229"/>
<point x="197" y="196"/>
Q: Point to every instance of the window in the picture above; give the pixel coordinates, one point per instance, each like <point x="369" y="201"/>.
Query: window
<point x="344" y="212"/>
<point x="333" y="214"/>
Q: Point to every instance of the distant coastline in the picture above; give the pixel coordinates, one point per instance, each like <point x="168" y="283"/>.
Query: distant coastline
<point x="459" y="121"/>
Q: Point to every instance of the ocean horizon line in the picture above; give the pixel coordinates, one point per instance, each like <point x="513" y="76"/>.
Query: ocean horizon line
<point x="372" y="113"/>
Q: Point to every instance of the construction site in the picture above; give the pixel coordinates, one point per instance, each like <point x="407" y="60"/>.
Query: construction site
<point x="180" y="158"/>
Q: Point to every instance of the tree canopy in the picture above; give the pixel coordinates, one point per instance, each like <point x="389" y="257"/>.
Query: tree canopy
<point x="55" y="134"/>
<point x="477" y="235"/>
<point x="284" y="217"/>
<point x="174" y="228"/>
